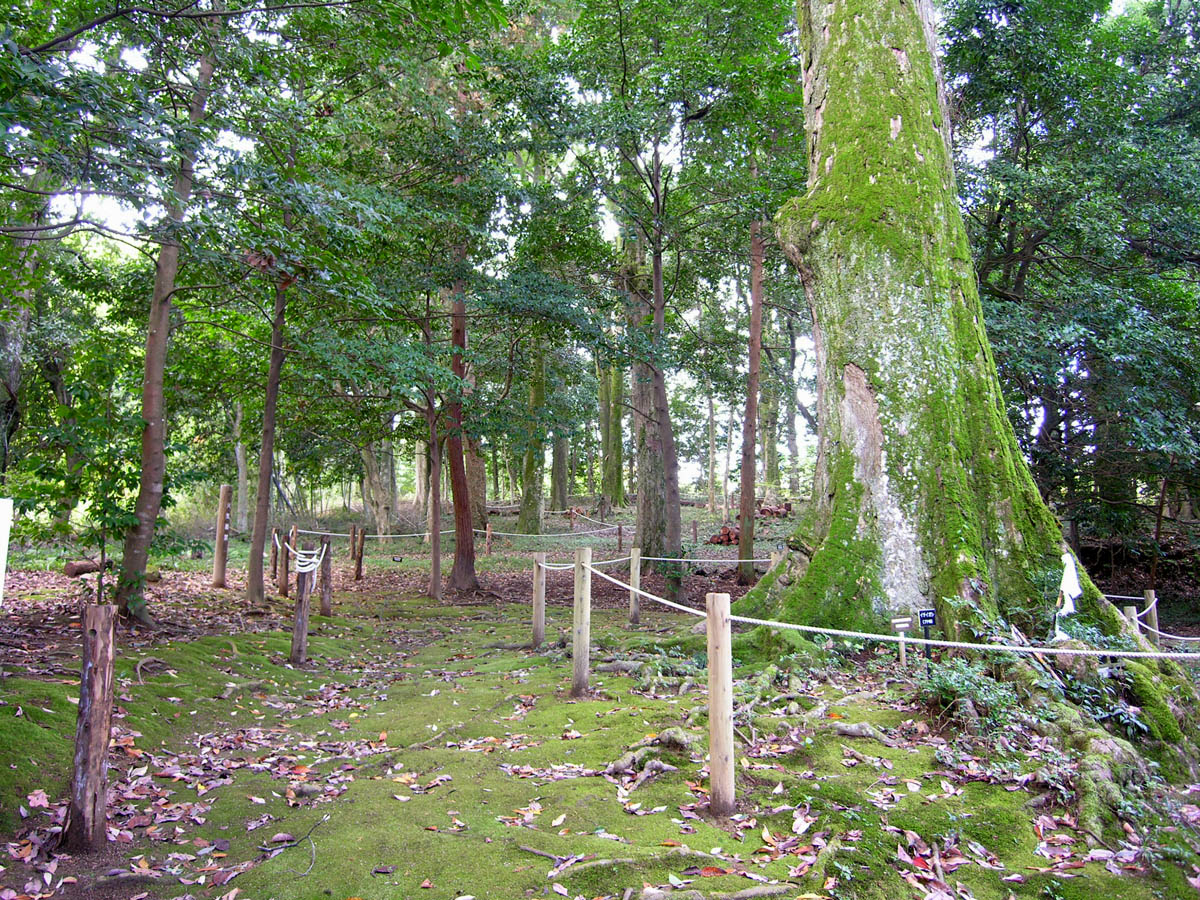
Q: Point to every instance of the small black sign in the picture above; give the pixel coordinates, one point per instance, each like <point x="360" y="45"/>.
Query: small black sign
<point x="927" y="617"/>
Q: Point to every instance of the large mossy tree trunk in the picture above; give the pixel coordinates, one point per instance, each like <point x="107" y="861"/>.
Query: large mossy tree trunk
<point x="921" y="497"/>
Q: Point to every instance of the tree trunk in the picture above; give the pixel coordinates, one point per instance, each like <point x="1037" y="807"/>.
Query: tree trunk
<point x="266" y="453"/>
<point x="745" y="572"/>
<point x="462" y="576"/>
<point x="130" y="598"/>
<point x="712" y="455"/>
<point x="729" y="433"/>
<point x="242" y="518"/>
<point x="612" y="483"/>
<point x="790" y="410"/>
<point x="435" y="500"/>
<point x="558" y="472"/>
<point x="604" y="396"/>
<point x="529" y="519"/>
<point x="375" y="491"/>
<point x="421" y="482"/>
<point x="769" y="426"/>
<point x="477" y="485"/>
<point x="921" y="497"/>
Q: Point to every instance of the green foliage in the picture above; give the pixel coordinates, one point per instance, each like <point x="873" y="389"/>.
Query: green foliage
<point x="949" y="685"/>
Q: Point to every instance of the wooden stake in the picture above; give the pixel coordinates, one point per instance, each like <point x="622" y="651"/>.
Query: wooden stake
<point x="281" y="580"/>
<point x="304" y="582"/>
<point x="620" y="539"/>
<point x="358" y="554"/>
<point x="221" y="549"/>
<point x="327" y="576"/>
<point x="539" y="599"/>
<point x="635" y="581"/>
<point x="903" y="651"/>
<point x="720" y="706"/>
<point x="582" y="631"/>
<point x="1152" y="616"/>
<point x="274" y="553"/>
<point x="487" y="541"/>
<point x="86" y="819"/>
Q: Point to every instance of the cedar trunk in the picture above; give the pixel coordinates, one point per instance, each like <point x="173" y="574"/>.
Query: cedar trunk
<point x="462" y="576"/>
<point x="558" y="473"/>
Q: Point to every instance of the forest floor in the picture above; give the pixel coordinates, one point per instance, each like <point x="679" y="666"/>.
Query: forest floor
<point x="425" y="751"/>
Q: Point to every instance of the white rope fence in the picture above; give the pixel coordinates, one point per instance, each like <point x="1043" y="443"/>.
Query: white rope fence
<point x="306" y="560"/>
<point x="930" y="642"/>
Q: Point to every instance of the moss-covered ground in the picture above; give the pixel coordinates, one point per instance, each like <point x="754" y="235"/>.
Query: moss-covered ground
<point x="423" y="752"/>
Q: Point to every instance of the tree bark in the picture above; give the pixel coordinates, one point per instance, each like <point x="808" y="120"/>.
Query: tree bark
<point x="375" y="491"/>
<point x="612" y="482"/>
<point x="920" y="491"/>
<point x="242" y="517"/>
<point x="558" y="472"/>
<point x="477" y="484"/>
<point x="130" y="598"/>
<point x="266" y="453"/>
<point x="712" y="455"/>
<point x="435" y="499"/>
<point x="462" y="576"/>
<point x="745" y="571"/>
<point x="421" y="481"/>
<point x="604" y="398"/>
<point x="529" y="518"/>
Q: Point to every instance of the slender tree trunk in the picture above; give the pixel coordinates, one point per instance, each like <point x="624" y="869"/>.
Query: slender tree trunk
<point x="477" y="485"/>
<point x="712" y="455"/>
<point x="130" y="598"/>
<point x="375" y="491"/>
<point x="529" y="519"/>
<point x="729" y="438"/>
<point x="266" y="453"/>
<point x="242" y="519"/>
<point x="750" y="418"/>
<point x="421" y="482"/>
<point x="435" y="499"/>
<point x="613" y="483"/>
<point x="462" y="576"/>
<point x="790" y="403"/>
<point x="604" y="392"/>
<point x="558" y="473"/>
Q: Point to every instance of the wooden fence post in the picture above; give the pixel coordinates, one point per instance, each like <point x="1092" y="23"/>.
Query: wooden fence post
<point x="358" y="554"/>
<point x="582" y="631"/>
<point x="86" y="827"/>
<point x="221" y="545"/>
<point x="720" y="707"/>
<point x="487" y="540"/>
<point x="1152" y="616"/>
<point x="327" y="576"/>
<point x="539" y="599"/>
<point x="274" y="552"/>
<point x="304" y="582"/>
<point x="284" y="564"/>
<point x="635" y="582"/>
<point x="620" y="539"/>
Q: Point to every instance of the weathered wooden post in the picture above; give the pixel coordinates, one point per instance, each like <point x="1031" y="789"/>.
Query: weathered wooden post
<point x="487" y="540"/>
<point x="353" y="542"/>
<point x="304" y="582"/>
<point x="900" y="625"/>
<point x="221" y="546"/>
<point x="720" y="706"/>
<point x="1152" y="616"/>
<point x="571" y="519"/>
<point x="86" y="821"/>
<point x="274" y="552"/>
<point x="582" y="631"/>
<point x="327" y="576"/>
<point x="284" y="565"/>
<point x="539" y="599"/>
<point x="358" y="554"/>
<point x="620" y="539"/>
<point x="635" y="583"/>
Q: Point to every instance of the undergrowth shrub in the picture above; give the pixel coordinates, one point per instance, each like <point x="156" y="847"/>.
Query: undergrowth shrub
<point x="948" y="685"/>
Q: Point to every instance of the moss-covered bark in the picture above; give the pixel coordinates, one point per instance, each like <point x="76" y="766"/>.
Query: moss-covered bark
<point x="921" y="496"/>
